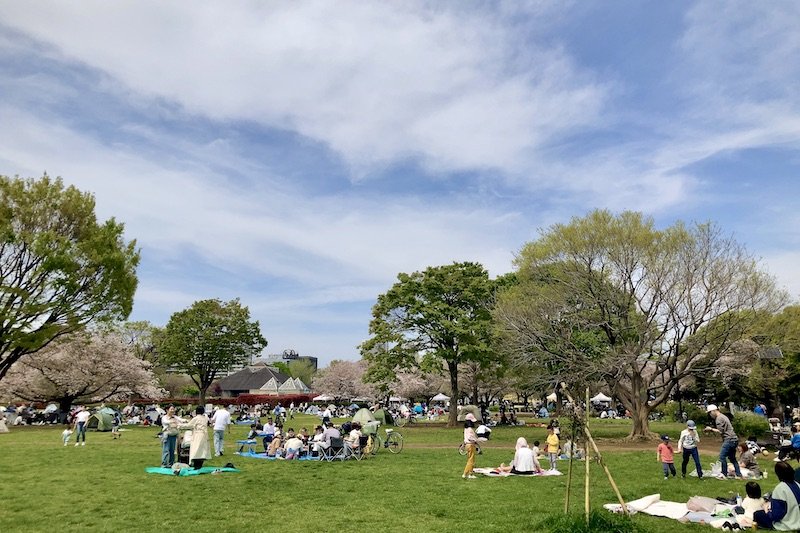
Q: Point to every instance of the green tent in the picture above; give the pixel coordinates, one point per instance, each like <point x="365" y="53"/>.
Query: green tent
<point x="467" y="409"/>
<point x="102" y="420"/>
<point x="363" y="416"/>
<point x="383" y="417"/>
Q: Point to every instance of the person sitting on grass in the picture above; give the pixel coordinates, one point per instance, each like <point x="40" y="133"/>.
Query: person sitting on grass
<point x="794" y="445"/>
<point x="256" y="429"/>
<point x="748" y="460"/>
<point x="269" y="432"/>
<point x="754" y="502"/>
<point x="524" y="462"/>
<point x="293" y="445"/>
<point x="275" y="446"/>
<point x="782" y="512"/>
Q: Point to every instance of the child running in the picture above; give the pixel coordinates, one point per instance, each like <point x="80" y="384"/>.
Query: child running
<point x="666" y="456"/>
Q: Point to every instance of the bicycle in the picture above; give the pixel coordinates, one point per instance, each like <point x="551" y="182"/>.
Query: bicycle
<point x="392" y="442"/>
<point x="401" y="420"/>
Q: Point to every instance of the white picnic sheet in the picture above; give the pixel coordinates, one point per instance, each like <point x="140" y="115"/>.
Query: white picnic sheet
<point x="653" y="505"/>
<point x="492" y="472"/>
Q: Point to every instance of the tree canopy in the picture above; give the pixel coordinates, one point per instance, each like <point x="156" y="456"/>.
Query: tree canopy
<point x="436" y="318"/>
<point x="632" y="303"/>
<point x="208" y="338"/>
<point x="81" y="368"/>
<point x="60" y="268"/>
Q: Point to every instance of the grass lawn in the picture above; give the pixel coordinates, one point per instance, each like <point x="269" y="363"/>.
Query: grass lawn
<point x="103" y="487"/>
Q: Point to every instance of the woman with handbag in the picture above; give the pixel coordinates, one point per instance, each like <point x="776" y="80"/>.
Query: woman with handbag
<point x="169" y="437"/>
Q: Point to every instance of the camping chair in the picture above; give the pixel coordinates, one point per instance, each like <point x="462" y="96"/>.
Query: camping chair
<point x="358" y="453"/>
<point x="334" y="451"/>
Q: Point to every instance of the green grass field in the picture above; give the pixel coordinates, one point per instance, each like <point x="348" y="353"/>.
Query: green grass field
<point x="103" y="487"/>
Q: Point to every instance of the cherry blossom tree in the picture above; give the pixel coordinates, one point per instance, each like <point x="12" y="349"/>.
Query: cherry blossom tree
<point x="81" y="368"/>
<point x="343" y="380"/>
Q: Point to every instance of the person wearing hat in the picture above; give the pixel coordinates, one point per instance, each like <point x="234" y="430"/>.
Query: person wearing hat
<point x="730" y="441"/>
<point x="687" y="444"/>
<point x="666" y="456"/>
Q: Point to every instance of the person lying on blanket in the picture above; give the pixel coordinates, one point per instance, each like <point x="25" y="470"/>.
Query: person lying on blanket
<point x="524" y="463"/>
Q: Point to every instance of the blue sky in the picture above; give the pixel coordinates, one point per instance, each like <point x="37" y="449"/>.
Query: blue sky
<point x="299" y="155"/>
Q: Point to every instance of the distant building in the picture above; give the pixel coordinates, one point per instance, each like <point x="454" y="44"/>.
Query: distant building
<point x="259" y="378"/>
<point x="286" y="357"/>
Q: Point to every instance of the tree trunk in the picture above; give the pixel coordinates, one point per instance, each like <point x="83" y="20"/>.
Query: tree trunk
<point x="203" y="396"/>
<point x="452" y="419"/>
<point x="63" y="406"/>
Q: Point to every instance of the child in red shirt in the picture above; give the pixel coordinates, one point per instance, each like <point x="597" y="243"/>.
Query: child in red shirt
<point x="666" y="455"/>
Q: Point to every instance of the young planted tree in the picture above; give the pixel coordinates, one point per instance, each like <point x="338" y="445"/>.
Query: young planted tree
<point x="60" y="268"/>
<point x="630" y="304"/>
<point x="208" y="338"/>
<point x="436" y="318"/>
<point x="81" y="368"/>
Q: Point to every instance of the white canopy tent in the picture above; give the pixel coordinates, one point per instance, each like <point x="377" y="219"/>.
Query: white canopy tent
<point x="440" y="398"/>
<point x="322" y="398"/>
<point x="552" y="397"/>
<point x="600" y="398"/>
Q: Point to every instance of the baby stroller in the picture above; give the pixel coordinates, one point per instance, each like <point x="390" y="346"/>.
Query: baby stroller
<point x="183" y="447"/>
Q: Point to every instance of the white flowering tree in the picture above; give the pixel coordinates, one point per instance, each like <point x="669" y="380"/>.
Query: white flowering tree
<point x="81" y="368"/>
<point x="343" y="380"/>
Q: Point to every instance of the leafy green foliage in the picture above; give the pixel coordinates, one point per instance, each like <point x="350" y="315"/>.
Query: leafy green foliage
<point x="209" y="337"/>
<point x="637" y="305"/>
<point x="430" y="319"/>
<point x="60" y="268"/>
<point x="746" y="424"/>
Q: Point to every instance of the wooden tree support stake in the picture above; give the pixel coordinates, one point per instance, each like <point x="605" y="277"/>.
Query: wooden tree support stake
<point x="591" y="441"/>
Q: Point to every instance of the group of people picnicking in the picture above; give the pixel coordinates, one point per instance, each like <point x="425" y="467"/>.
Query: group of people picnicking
<point x="526" y="457"/>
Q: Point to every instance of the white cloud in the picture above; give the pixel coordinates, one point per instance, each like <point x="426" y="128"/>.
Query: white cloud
<point x="378" y="82"/>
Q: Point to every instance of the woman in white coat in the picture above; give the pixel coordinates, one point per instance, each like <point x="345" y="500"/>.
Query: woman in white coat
<point x="199" y="449"/>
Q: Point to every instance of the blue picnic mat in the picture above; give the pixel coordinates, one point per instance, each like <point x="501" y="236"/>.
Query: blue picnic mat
<point x="187" y="471"/>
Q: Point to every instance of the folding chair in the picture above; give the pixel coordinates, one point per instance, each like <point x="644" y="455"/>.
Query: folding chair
<point x="358" y="453"/>
<point x="334" y="451"/>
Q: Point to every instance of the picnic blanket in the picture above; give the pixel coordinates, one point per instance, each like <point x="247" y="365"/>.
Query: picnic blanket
<point x="653" y="505"/>
<point x="262" y="455"/>
<point x="183" y="472"/>
<point x="493" y="472"/>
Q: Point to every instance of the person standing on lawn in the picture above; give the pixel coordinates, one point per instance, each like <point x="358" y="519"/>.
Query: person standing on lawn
<point x="199" y="450"/>
<point x="470" y="439"/>
<point x="730" y="441"/>
<point x="666" y="456"/>
<point x="553" y="444"/>
<point x="222" y="421"/>
<point x="687" y="444"/>
<point x="81" y="421"/>
<point x="169" y="437"/>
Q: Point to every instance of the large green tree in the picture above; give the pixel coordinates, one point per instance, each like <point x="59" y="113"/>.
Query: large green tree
<point x="650" y="293"/>
<point x="60" y="268"/>
<point x="436" y="318"/>
<point x="208" y="338"/>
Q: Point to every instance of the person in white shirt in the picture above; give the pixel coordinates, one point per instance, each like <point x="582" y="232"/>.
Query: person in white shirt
<point x="221" y="421"/>
<point x="81" y="421"/>
<point x="687" y="444"/>
<point x="524" y="463"/>
<point x="293" y="445"/>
